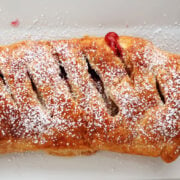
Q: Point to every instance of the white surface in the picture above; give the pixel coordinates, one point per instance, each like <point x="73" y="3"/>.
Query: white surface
<point x="157" y="20"/>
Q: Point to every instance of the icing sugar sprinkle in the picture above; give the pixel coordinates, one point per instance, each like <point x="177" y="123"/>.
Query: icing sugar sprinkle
<point x="43" y="103"/>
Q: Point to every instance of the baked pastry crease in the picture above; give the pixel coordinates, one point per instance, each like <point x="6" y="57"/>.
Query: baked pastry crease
<point x="78" y="96"/>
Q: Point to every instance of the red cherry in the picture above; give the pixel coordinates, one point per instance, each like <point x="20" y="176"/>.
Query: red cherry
<point x="111" y="36"/>
<point x="111" y="39"/>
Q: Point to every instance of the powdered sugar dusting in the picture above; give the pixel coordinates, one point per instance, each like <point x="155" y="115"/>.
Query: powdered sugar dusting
<point x="36" y="120"/>
<point x="46" y="108"/>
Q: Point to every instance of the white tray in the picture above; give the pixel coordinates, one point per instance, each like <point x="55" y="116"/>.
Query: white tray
<point x="157" y="20"/>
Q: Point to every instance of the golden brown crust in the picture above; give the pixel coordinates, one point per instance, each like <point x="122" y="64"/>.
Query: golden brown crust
<point x="72" y="97"/>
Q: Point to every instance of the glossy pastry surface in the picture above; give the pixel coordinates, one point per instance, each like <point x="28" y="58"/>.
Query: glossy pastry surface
<point x="78" y="96"/>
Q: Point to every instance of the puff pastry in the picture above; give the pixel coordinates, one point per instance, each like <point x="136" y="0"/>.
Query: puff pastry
<point x="78" y="96"/>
